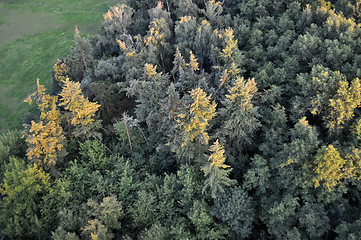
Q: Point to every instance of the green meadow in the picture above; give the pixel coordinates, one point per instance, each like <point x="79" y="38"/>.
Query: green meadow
<point x="33" y="35"/>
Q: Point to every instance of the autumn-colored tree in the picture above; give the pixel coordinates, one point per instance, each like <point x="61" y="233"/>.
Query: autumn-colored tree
<point x="61" y="71"/>
<point x="186" y="74"/>
<point x="343" y="104"/>
<point x="45" y="138"/>
<point x="216" y="171"/>
<point x="240" y="114"/>
<point x="82" y="111"/>
<point x="329" y="95"/>
<point x="95" y="230"/>
<point x="157" y="47"/>
<point x="195" y="122"/>
<point x="329" y="168"/>
<point x="229" y="59"/>
<point x="116" y="25"/>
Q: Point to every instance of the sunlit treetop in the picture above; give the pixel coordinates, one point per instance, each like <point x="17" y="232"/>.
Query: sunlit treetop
<point x="242" y="92"/>
<point x="82" y="110"/>
<point x="47" y="104"/>
<point x="201" y="111"/>
<point x="193" y="62"/>
<point x="45" y="137"/>
<point x="329" y="170"/>
<point x="185" y="19"/>
<point x="160" y="5"/>
<point x="217" y="157"/>
<point x="115" y="12"/>
<point x="151" y="70"/>
<point x="61" y="70"/>
<point x="155" y="35"/>
<point x="231" y="44"/>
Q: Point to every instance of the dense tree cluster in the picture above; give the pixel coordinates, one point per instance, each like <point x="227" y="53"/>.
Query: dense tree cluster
<point x="195" y="119"/>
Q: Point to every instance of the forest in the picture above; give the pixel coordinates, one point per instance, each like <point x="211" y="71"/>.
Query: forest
<point x="194" y="119"/>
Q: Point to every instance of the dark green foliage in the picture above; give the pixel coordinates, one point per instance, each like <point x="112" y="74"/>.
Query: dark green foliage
<point x="82" y="60"/>
<point x="349" y="231"/>
<point x="204" y="223"/>
<point x="156" y="232"/>
<point x="235" y="209"/>
<point x="11" y="144"/>
<point x="116" y="178"/>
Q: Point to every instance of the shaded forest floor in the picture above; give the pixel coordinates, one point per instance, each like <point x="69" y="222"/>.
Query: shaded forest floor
<point x="33" y="34"/>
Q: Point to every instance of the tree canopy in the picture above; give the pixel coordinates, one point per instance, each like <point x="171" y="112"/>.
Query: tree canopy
<point x="189" y="119"/>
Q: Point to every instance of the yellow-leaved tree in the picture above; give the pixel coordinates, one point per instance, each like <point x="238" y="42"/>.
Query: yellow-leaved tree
<point x="190" y="140"/>
<point x="217" y="171"/>
<point x="45" y="138"/>
<point x="242" y="92"/>
<point x="230" y="57"/>
<point x="195" y="121"/>
<point x="60" y="71"/>
<point x="342" y="106"/>
<point x="81" y="110"/>
<point x="331" y="168"/>
<point x="241" y="116"/>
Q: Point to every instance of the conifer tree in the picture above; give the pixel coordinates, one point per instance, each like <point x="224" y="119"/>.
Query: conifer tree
<point x="229" y="59"/>
<point x="234" y="207"/>
<point x="82" y="60"/>
<point x="61" y="71"/>
<point x="328" y="94"/>
<point x="213" y="10"/>
<point x="157" y="47"/>
<point x="45" y="138"/>
<point x="171" y="107"/>
<point x="116" y="25"/>
<point x="242" y="117"/>
<point x="81" y="110"/>
<point x="343" y="104"/>
<point x="186" y="8"/>
<point x="186" y="74"/>
<point x="23" y="189"/>
<point x="149" y="90"/>
<point x="217" y="172"/>
<point x="195" y="122"/>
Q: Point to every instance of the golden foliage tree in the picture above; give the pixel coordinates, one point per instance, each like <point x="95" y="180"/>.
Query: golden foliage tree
<point x="60" y="71"/>
<point x="45" y="137"/>
<point x="193" y="64"/>
<point x="216" y="170"/>
<point x="195" y="123"/>
<point x="242" y="92"/>
<point x="329" y="167"/>
<point x="82" y="111"/>
<point x="343" y="104"/>
<point x="229" y="57"/>
<point x="241" y="116"/>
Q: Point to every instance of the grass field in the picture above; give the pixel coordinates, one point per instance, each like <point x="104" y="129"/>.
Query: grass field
<point x="33" y="35"/>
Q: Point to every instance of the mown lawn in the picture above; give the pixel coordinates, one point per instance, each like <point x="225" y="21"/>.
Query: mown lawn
<point x="33" y="35"/>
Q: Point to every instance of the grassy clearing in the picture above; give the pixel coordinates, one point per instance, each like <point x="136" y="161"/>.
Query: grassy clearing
<point x="33" y="34"/>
